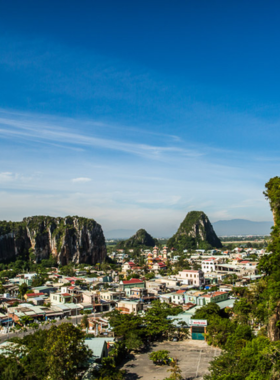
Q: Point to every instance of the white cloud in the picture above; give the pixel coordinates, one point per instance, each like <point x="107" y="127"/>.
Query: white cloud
<point x="7" y="177"/>
<point x="52" y="130"/>
<point x="81" y="180"/>
<point x="125" y="193"/>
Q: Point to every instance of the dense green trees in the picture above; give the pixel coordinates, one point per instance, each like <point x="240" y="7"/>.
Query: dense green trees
<point x="58" y="354"/>
<point x="247" y="356"/>
<point x="127" y="326"/>
<point x="137" y="330"/>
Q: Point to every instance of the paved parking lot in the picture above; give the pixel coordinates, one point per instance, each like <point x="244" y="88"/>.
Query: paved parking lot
<point x="193" y="359"/>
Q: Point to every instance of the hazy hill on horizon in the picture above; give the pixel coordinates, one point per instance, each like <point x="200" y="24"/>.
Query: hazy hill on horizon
<point x="242" y="227"/>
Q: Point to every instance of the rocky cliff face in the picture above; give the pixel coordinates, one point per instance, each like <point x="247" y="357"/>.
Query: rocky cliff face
<point x="75" y="239"/>
<point x="195" y="231"/>
<point x="140" y="239"/>
<point x="273" y="328"/>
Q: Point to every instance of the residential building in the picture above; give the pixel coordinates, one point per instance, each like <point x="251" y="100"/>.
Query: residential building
<point x="208" y="265"/>
<point x="61" y="298"/>
<point x="192" y="277"/>
<point x="212" y="297"/>
<point x="128" y="306"/>
<point x="138" y="292"/>
<point x="127" y="285"/>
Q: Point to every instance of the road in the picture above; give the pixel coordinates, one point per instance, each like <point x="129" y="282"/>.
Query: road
<point x="73" y="319"/>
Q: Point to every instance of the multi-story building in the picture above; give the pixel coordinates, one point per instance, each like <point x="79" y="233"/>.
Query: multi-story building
<point x="129" y="284"/>
<point x="192" y="277"/>
<point x="208" y="265"/>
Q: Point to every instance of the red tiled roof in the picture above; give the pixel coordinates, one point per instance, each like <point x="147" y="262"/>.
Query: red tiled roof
<point x="214" y="294"/>
<point x="34" y="294"/>
<point x="66" y="294"/>
<point x="218" y="293"/>
<point x="71" y="287"/>
<point x="180" y="291"/>
<point x="133" y="281"/>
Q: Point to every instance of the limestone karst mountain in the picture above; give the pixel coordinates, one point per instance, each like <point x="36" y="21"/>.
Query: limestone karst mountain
<point x="195" y="232"/>
<point x="140" y="239"/>
<point x="69" y="239"/>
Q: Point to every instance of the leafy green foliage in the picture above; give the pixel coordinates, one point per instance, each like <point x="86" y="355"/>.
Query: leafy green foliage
<point x="67" y="270"/>
<point x="155" y="319"/>
<point x="58" y="353"/>
<point x="207" y="311"/>
<point x="149" y="275"/>
<point x="109" y="371"/>
<point x="66" y="351"/>
<point x="160" y="357"/>
<point x="136" y="330"/>
<point x="127" y="326"/>
<point x="22" y="289"/>
<point x="245" y="356"/>
<point x="175" y="371"/>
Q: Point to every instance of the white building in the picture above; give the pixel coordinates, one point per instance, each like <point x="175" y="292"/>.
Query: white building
<point x="192" y="277"/>
<point x="208" y="265"/>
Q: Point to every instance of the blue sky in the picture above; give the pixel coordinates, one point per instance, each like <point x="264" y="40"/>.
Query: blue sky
<point x="134" y="113"/>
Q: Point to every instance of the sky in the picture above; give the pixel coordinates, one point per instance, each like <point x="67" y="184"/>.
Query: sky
<point x="134" y="113"/>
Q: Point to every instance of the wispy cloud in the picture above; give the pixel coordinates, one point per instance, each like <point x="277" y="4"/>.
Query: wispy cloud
<point x="54" y="130"/>
<point x="81" y="180"/>
<point x="7" y="177"/>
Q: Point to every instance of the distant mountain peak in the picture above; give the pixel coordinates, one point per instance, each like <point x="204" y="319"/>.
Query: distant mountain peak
<point x="140" y="239"/>
<point x="195" y="231"/>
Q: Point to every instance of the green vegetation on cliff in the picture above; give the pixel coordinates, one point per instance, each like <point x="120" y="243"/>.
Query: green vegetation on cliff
<point x="140" y="240"/>
<point x="195" y="232"/>
<point x="248" y="355"/>
<point x="40" y="237"/>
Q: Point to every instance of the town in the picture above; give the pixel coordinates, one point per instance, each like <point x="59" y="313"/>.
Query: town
<point x="86" y="295"/>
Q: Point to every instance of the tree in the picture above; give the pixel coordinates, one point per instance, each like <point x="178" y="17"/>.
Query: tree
<point x="108" y="370"/>
<point x="183" y="331"/>
<point x="128" y="326"/>
<point x="207" y="311"/>
<point x="39" y="279"/>
<point x="155" y="319"/>
<point x="160" y="357"/>
<point x="67" y="270"/>
<point x="219" y="330"/>
<point x="22" y="289"/>
<point x="25" y="320"/>
<point x="175" y="371"/>
<point x="66" y="351"/>
<point x="242" y="309"/>
<point x="149" y="276"/>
